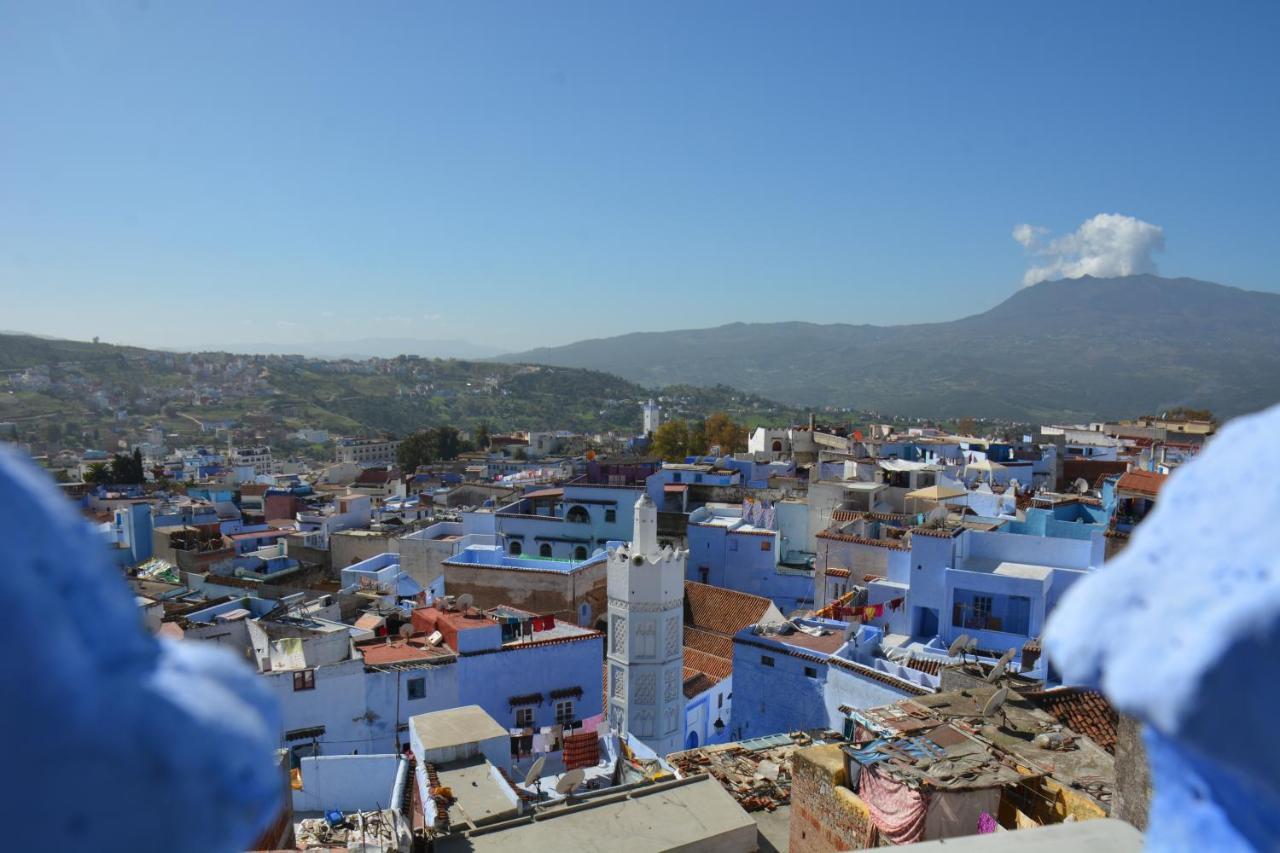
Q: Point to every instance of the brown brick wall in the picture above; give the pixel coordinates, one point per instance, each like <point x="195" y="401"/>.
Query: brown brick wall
<point x="825" y="815"/>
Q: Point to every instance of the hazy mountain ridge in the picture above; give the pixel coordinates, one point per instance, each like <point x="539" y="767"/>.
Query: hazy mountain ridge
<point x="1072" y="348"/>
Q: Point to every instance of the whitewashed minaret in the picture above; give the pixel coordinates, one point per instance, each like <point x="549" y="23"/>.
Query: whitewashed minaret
<point x="646" y="636"/>
<point x="652" y="417"/>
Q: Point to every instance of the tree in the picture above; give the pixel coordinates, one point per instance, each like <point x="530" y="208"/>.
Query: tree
<point x="53" y="432"/>
<point x="967" y="426"/>
<point x="697" y="444"/>
<point x="671" y="441"/>
<point x="127" y="469"/>
<point x="448" y="445"/>
<point x="722" y="431"/>
<point x="98" y="473"/>
<point x="418" y="449"/>
<point x="482" y="436"/>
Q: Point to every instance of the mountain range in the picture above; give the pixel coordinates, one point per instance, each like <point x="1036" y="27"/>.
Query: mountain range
<point x="1071" y="349"/>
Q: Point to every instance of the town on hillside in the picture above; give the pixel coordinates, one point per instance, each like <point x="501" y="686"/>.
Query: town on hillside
<point x="823" y="636"/>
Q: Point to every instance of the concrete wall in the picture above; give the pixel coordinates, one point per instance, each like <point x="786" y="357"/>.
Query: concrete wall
<point x="1131" y="799"/>
<point x="347" y="783"/>
<point x="845" y="687"/>
<point x="560" y="594"/>
<point x="346" y="549"/>
<point x="779" y="698"/>
<point x="490" y="680"/>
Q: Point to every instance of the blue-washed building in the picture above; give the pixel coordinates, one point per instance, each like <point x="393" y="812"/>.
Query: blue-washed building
<point x="756" y="555"/>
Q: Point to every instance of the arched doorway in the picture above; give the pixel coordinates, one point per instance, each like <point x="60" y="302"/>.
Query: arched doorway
<point x="691" y="742"/>
<point x="515" y="549"/>
<point x="544" y="550"/>
<point x="580" y="553"/>
<point x="777" y="446"/>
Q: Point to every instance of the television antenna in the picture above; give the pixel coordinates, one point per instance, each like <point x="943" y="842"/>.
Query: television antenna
<point x="570" y="780"/>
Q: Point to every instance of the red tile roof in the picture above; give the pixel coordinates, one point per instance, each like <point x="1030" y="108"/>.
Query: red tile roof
<point x="721" y="611"/>
<point x="1143" y="482"/>
<point x="710" y="642"/>
<point x="1086" y="712"/>
<point x="895" y="545"/>
<point x="697" y="682"/>
<point x="713" y="665"/>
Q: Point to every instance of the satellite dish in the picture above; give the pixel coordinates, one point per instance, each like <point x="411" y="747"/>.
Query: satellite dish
<point x="995" y="702"/>
<point x="570" y="780"/>
<point x="937" y="514"/>
<point x="406" y="630"/>
<point x="535" y="772"/>
<point x="464" y="601"/>
<point x="957" y="646"/>
<point x="972" y="645"/>
<point x="1081" y="485"/>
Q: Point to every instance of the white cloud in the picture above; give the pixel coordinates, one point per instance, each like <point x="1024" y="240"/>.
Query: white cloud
<point x="1108" y="245"/>
<point x="432" y="318"/>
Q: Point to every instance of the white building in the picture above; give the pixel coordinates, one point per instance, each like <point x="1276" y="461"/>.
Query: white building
<point x="366" y="451"/>
<point x="652" y="417"/>
<point x="646" y="636"/>
<point x="258" y="458"/>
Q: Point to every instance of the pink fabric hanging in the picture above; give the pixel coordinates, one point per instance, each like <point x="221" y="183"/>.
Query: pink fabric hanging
<point x="897" y="810"/>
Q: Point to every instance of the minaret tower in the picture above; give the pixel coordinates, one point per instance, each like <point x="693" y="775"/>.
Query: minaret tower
<point x="646" y="636"/>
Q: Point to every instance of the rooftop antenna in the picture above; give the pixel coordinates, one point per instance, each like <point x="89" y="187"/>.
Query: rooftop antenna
<point x="570" y="780"/>
<point x="1001" y="666"/>
<point x="464" y="602"/>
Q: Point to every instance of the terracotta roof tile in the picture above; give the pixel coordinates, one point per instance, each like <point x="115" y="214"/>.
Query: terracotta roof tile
<point x="713" y="665"/>
<point x="895" y="545"/>
<point x="712" y="643"/>
<point x="721" y="611"/>
<point x="1084" y="711"/>
<point x="696" y="682"/>
<point x="1142" y="482"/>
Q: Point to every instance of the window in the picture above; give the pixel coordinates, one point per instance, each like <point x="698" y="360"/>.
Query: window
<point x="417" y="688"/>
<point x="515" y="549"/>
<point x="578" y="515"/>
<point x="697" y="478"/>
<point x="810" y="672"/>
<point x="304" y="679"/>
<point x="675" y="477"/>
<point x="982" y="608"/>
<point x="580" y="553"/>
<point x="765" y="660"/>
<point x="524" y="718"/>
<point x="766" y="544"/>
<point x="720" y="701"/>
<point x="610" y="515"/>
<point x="564" y="713"/>
<point x="544" y="550"/>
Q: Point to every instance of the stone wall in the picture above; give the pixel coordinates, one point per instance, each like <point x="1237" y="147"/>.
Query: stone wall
<point x="825" y="814"/>
<point x="1132" y="798"/>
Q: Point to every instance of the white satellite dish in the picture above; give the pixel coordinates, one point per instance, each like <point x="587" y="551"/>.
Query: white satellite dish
<point x="1001" y="665"/>
<point x="464" y="601"/>
<point x="1081" y="485"/>
<point x="570" y="780"/>
<point x="995" y="702"/>
<point x="972" y="646"/>
<point x="957" y="645"/>
<point x="535" y="772"/>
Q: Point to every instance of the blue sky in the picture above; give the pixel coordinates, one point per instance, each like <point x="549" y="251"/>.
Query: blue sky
<point x="516" y="174"/>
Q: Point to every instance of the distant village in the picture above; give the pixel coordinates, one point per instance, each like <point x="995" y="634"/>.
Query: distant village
<point x="815" y="637"/>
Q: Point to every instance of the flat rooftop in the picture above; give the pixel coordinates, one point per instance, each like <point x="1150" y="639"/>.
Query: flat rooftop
<point x="480" y="797"/>
<point x="668" y="815"/>
<point x="455" y="727"/>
